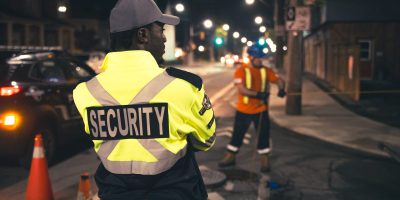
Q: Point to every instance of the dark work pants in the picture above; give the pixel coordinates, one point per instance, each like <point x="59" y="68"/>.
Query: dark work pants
<point x="242" y="123"/>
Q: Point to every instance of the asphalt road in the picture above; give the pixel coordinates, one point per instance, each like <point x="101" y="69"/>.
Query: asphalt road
<point x="302" y="167"/>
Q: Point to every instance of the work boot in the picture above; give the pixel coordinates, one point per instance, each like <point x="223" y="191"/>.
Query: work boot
<point x="228" y="160"/>
<point x="265" y="166"/>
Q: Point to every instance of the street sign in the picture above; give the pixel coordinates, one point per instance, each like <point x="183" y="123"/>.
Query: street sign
<point x="298" y="18"/>
<point x="291" y="14"/>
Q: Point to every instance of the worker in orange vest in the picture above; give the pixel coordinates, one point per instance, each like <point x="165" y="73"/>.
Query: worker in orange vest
<point x="252" y="83"/>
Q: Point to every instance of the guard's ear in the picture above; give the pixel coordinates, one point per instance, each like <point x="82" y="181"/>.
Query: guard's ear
<point x="143" y="35"/>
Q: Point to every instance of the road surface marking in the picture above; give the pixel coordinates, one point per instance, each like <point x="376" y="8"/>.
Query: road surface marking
<point x="228" y="134"/>
<point x="229" y="186"/>
<point x="221" y="93"/>
<point x="215" y="196"/>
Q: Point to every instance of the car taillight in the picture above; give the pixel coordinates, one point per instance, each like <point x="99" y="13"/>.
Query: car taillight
<point x="9" y="91"/>
<point x="9" y="120"/>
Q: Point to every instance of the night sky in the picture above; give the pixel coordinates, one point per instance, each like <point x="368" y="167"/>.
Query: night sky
<point x="236" y="13"/>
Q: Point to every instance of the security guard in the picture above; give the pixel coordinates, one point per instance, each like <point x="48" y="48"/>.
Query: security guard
<point x="145" y="121"/>
<point x="252" y="83"/>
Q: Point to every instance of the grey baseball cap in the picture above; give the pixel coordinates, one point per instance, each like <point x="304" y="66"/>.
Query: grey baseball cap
<point x="129" y="14"/>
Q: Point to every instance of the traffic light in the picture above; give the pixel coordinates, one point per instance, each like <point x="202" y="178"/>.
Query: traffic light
<point x="219" y="41"/>
<point x="261" y="41"/>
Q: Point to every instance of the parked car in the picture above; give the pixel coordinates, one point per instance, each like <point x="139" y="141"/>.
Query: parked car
<point x="36" y="97"/>
<point x="93" y="59"/>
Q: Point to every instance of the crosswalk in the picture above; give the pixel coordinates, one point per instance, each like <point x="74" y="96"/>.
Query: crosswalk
<point x="215" y="196"/>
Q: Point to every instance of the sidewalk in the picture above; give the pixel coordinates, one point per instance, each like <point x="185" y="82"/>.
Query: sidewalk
<point x="325" y="119"/>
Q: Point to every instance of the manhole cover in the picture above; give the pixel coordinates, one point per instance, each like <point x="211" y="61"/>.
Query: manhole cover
<point x="212" y="178"/>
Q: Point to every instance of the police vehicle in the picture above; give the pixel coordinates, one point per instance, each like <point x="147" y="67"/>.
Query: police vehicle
<point x="36" y="98"/>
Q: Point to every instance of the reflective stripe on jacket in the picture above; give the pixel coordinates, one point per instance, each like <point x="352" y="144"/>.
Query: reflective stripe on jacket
<point x="135" y="75"/>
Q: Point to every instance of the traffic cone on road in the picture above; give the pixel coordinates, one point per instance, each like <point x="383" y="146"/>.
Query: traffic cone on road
<point x="84" y="192"/>
<point x="39" y="187"/>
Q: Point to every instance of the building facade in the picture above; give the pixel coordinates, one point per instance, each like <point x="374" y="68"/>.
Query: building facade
<point x="35" y="24"/>
<point x="354" y="41"/>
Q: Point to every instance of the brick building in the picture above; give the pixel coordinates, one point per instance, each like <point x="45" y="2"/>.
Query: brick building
<point x="353" y="42"/>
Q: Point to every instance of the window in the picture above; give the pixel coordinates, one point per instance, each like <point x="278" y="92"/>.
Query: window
<point x="79" y="72"/>
<point x="18" y="34"/>
<point x="3" y="34"/>
<point x="34" y="35"/>
<point x="48" y="71"/>
<point x="365" y="50"/>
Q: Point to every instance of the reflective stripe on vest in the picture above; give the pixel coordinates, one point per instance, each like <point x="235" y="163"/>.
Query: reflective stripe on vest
<point x="248" y="84"/>
<point x="263" y="73"/>
<point x="166" y="159"/>
<point x="263" y="78"/>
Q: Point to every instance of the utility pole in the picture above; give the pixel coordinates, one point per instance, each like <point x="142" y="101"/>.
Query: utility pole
<point x="280" y="32"/>
<point x="211" y="52"/>
<point x="295" y="70"/>
<point x="190" y="55"/>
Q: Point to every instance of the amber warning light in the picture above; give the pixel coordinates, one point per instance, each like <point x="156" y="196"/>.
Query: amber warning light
<point x="9" y="120"/>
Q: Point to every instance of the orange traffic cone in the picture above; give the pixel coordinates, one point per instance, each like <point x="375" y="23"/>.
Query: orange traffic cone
<point x="84" y="192"/>
<point x="39" y="187"/>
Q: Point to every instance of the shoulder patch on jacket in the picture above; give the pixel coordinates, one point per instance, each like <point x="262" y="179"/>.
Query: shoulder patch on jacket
<point x="187" y="76"/>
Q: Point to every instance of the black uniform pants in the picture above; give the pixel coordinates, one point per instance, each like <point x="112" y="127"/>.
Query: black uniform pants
<point x="182" y="182"/>
<point x="241" y="125"/>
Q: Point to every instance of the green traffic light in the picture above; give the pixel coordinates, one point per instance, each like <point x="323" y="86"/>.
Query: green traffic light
<point x="219" y="41"/>
<point x="261" y="42"/>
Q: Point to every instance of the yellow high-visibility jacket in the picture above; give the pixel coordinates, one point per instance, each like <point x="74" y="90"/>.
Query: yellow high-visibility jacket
<point x="134" y="91"/>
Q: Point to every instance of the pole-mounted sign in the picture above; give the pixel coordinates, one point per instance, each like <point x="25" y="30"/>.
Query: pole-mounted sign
<point x="298" y="18"/>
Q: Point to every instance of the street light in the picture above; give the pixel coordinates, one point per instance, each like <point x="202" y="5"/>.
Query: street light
<point x="225" y="27"/>
<point x="207" y="23"/>
<point x="201" y="48"/>
<point x="265" y="50"/>
<point x="179" y="7"/>
<point x="258" y="20"/>
<point x="273" y="48"/>
<point x="249" y="2"/>
<point x="243" y="40"/>
<point x="269" y="42"/>
<point x="236" y="34"/>
<point x="262" y="29"/>
<point x="62" y="9"/>
<point x="249" y="43"/>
